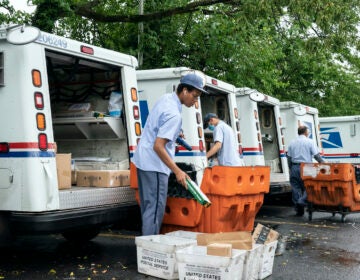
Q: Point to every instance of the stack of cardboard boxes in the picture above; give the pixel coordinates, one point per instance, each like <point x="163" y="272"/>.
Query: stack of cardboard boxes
<point x="68" y="176"/>
<point x="228" y="256"/>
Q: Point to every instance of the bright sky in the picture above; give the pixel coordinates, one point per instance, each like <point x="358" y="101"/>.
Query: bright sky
<point x="22" y="5"/>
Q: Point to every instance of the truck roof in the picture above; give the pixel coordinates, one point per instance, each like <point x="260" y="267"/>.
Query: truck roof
<point x="178" y="72"/>
<point x="340" y="119"/>
<point x="63" y="44"/>
<point x="292" y="104"/>
<point x="247" y="91"/>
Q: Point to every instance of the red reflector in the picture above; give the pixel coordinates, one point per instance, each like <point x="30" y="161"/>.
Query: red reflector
<point x="39" y="101"/>
<point x="201" y="145"/>
<point x="43" y="143"/>
<point x="4" y="147"/>
<point x="214" y="82"/>
<point x="87" y="50"/>
<point x="354" y="155"/>
<point x="136" y="112"/>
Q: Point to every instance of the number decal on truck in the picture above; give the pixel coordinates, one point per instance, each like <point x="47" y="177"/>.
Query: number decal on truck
<point x="52" y="41"/>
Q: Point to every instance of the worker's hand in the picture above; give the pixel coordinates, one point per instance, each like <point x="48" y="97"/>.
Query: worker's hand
<point x="181" y="178"/>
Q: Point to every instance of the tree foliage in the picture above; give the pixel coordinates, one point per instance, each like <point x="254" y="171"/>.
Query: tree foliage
<point x="305" y="51"/>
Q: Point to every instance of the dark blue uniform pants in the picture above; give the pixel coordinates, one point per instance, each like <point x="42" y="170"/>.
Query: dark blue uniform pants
<point x="153" y="188"/>
<point x="299" y="195"/>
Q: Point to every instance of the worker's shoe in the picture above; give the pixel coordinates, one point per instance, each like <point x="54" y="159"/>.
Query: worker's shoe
<point x="299" y="210"/>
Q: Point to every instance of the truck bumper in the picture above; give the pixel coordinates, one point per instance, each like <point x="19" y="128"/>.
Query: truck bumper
<point x="72" y="219"/>
<point x="279" y="188"/>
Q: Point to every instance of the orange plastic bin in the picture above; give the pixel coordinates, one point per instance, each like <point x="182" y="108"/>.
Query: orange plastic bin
<point x="331" y="187"/>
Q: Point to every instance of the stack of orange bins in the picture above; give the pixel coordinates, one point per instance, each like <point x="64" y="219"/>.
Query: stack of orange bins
<point x="331" y="185"/>
<point x="236" y="195"/>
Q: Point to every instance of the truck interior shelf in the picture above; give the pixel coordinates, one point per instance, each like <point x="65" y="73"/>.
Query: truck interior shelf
<point x="88" y="128"/>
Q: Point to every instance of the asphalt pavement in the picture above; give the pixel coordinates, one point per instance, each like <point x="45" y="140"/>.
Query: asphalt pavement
<point x="324" y="248"/>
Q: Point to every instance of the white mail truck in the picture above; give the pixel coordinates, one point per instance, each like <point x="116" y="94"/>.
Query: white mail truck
<point x="340" y="138"/>
<point x="263" y="139"/>
<point x="221" y="100"/>
<point x="293" y="115"/>
<point x="63" y="96"/>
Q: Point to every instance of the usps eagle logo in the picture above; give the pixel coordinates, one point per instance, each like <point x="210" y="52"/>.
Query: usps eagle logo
<point x="330" y="138"/>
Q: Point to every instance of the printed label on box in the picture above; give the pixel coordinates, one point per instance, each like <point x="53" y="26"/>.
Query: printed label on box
<point x="192" y="272"/>
<point x="156" y="263"/>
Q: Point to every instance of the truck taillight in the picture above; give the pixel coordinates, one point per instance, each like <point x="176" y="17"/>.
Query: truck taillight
<point x="255" y="114"/>
<point x="201" y="145"/>
<point x="196" y="104"/>
<point x="43" y="142"/>
<point x="36" y="78"/>
<point x="240" y="150"/>
<point x="260" y="148"/>
<point x="236" y="113"/>
<point x="137" y="129"/>
<point x="214" y="82"/>
<point x="134" y="96"/>
<point x="40" y="121"/>
<point x="136" y="112"/>
<point x="198" y="118"/>
<point x="4" y="147"/>
<point x="87" y="50"/>
<point x="39" y="100"/>
<point x="239" y="137"/>
<point x="238" y="126"/>
<point x="200" y="132"/>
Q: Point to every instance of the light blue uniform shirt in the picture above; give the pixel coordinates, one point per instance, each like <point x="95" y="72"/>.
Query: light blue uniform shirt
<point x="302" y="149"/>
<point x="228" y="155"/>
<point x="164" y="121"/>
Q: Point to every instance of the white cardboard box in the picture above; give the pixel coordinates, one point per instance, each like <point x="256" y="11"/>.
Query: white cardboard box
<point x="156" y="254"/>
<point x="184" y="234"/>
<point x="194" y="263"/>
<point x="252" y="262"/>
<point x="267" y="260"/>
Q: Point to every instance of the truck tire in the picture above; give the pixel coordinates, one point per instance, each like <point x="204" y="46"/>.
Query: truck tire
<point x="81" y="235"/>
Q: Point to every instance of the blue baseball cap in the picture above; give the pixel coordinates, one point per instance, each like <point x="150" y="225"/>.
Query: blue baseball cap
<point x="193" y="80"/>
<point x="207" y="118"/>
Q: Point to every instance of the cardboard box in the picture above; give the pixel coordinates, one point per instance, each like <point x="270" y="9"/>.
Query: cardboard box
<point x="241" y="240"/>
<point x="156" y="254"/>
<point x="194" y="263"/>
<point x="103" y="178"/>
<point x="63" y="168"/>
<point x="184" y="234"/>
<point x="73" y="177"/>
<point x="219" y="249"/>
<point x="252" y="262"/>
<point x="264" y="235"/>
<point x="266" y="262"/>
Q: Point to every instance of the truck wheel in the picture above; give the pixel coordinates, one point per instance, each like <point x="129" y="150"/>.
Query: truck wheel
<point x="81" y="235"/>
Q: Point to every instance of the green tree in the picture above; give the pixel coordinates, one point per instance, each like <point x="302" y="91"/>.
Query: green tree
<point x="305" y="51"/>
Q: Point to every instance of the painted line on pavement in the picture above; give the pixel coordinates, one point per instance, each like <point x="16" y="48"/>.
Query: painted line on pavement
<point x="297" y="224"/>
<point x="117" y="235"/>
